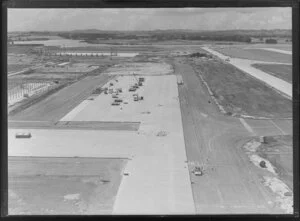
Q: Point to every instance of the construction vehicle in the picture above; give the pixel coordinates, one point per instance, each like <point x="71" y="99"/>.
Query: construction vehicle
<point x="198" y="171"/>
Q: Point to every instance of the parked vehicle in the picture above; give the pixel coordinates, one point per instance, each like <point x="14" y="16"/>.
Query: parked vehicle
<point x="115" y="103"/>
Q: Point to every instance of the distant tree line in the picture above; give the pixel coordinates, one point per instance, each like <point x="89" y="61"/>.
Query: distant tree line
<point x="91" y="37"/>
<point x="271" y="41"/>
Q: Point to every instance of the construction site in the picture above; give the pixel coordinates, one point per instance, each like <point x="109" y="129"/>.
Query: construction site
<point x="161" y="129"/>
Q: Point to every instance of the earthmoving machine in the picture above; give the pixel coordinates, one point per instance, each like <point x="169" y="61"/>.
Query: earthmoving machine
<point x="198" y="171"/>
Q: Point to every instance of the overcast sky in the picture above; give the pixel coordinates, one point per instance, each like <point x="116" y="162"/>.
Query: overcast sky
<point x="149" y="19"/>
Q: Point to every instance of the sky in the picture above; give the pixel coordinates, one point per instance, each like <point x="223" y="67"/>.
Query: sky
<point x="149" y="19"/>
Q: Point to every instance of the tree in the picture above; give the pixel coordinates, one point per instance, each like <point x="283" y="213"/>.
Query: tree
<point x="271" y="41"/>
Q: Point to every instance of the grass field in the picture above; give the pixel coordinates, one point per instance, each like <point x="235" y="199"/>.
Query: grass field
<point x="281" y="71"/>
<point x="38" y="185"/>
<point x="16" y="67"/>
<point x="239" y="93"/>
<point x="254" y="54"/>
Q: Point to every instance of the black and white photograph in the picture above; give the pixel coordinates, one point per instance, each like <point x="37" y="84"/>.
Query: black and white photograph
<point x="150" y="111"/>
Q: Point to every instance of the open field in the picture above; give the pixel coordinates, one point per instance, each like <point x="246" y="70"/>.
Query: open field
<point x="48" y="186"/>
<point x="47" y="76"/>
<point x="16" y="67"/>
<point x="254" y="54"/>
<point x="68" y="68"/>
<point x="140" y="68"/>
<point x="239" y="93"/>
<point x="281" y="71"/>
<point x="75" y="125"/>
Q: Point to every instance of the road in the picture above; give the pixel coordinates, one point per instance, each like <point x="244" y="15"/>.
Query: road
<point x="230" y="184"/>
<point x="60" y="103"/>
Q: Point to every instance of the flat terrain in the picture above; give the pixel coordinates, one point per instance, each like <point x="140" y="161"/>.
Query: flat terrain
<point x="58" y="104"/>
<point x="140" y="68"/>
<point x="230" y="184"/>
<point x="48" y="186"/>
<point x="254" y="54"/>
<point x="239" y="93"/>
<point x="16" y="67"/>
<point x="75" y="125"/>
<point x="163" y="136"/>
<point x="45" y="76"/>
<point x="157" y="180"/>
<point x="284" y="72"/>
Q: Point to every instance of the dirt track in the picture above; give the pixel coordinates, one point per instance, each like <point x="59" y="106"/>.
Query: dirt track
<point x="230" y="183"/>
<point x="57" y="105"/>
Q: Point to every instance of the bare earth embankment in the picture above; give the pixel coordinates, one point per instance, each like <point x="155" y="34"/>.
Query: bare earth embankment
<point x="274" y="160"/>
